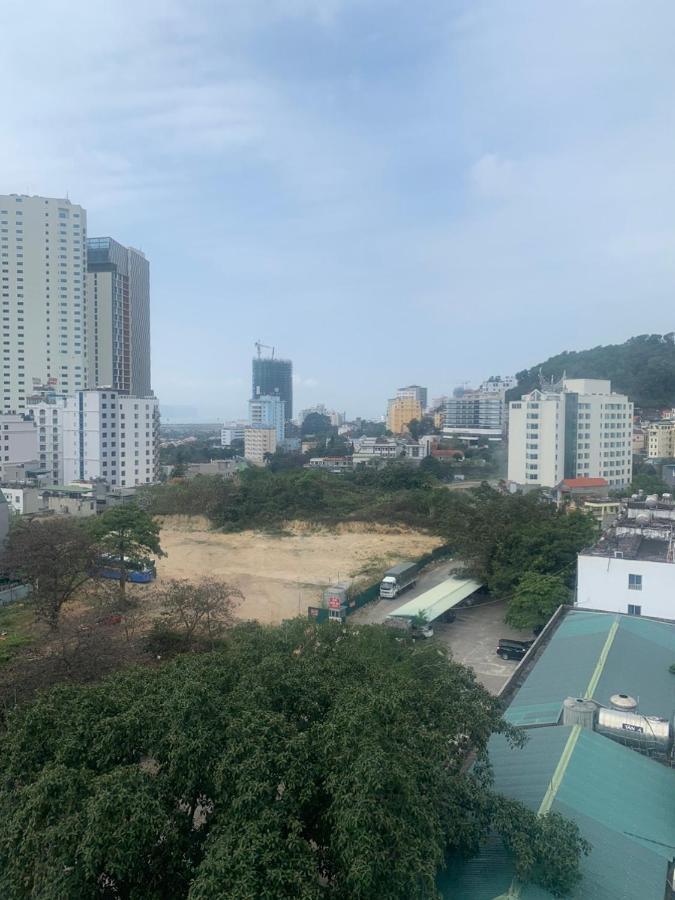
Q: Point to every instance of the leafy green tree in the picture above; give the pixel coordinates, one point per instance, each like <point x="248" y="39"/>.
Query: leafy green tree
<point x="127" y="531"/>
<point x="297" y="762"/>
<point x="316" y="424"/>
<point x="54" y="557"/>
<point x="535" y="599"/>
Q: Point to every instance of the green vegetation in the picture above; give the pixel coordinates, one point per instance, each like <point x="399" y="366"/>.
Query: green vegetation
<point x="297" y="762"/>
<point x="504" y="537"/>
<point x="535" y="599"/>
<point x="202" y="450"/>
<point x="126" y="531"/>
<point x="16" y="625"/>
<point x="261" y="498"/>
<point x="643" y="368"/>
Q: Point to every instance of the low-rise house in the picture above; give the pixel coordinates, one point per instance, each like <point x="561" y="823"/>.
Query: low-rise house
<point x="333" y="463"/>
<point x="227" y="468"/>
<point x="22" y="500"/>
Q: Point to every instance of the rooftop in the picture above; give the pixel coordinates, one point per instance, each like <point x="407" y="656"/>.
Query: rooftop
<point x="579" y="483"/>
<point x="628" y="540"/>
<point x="614" y="794"/>
<point x="621" y="800"/>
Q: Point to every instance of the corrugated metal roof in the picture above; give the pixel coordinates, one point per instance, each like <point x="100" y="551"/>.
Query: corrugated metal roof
<point x="434" y="602"/>
<point x="622" y="802"/>
<point x="636" y="663"/>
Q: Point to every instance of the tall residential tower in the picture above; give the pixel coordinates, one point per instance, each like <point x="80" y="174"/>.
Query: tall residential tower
<point x="118" y="288"/>
<point x="43" y="260"/>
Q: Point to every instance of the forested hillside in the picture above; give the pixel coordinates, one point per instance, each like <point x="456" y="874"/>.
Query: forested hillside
<point x="643" y="368"/>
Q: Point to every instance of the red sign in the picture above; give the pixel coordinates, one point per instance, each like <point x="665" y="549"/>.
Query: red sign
<point x="334" y="603"/>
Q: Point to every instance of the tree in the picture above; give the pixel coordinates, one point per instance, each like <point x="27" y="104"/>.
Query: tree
<point x="301" y="761"/>
<point x="316" y="424"/>
<point x="127" y="532"/>
<point x="54" y="557"/>
<point x="535" y="599"/>
<point x="199" y="610"/>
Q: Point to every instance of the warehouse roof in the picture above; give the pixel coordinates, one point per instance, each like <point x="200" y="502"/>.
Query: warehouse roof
<point x="616" y="796"/>
<point x="434" y="602"/>
<point x="597" y="654"/>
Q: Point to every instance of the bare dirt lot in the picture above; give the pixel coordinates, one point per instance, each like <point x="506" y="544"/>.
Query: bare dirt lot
<point x="281" y="575"/>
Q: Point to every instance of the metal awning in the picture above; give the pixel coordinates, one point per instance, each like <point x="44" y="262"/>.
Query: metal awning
<point x="434" y="602"/>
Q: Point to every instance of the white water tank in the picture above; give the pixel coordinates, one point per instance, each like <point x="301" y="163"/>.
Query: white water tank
<point x="651" y="500"/>
<point x="624" y="702"/>
<point x="643" y="518"/>
<point x="577" y="711"/>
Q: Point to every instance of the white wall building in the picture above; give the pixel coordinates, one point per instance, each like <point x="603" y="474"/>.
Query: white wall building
<point x="18" y="441"/>
<point x="111" y="436"/>
<point x="259" y="441"/>
<point x="474" y="413"/>
<point x="498" y="384"/>
<point x="22" y="500"/>
<point x="47" y="413"/>
<point x="43" y="262"/>
<point x="413" y="392"/>
<point x="632" y="568"/>
<point x="267" y="412"/>
<point x="577" y="430"/>
<point x="231" y="431"/>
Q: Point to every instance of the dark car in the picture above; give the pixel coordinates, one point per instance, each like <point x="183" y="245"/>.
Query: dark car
<point x="509" y="649"/>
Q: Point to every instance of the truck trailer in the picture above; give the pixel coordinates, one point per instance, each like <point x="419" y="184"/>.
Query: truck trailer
<point x="397" y="579"/>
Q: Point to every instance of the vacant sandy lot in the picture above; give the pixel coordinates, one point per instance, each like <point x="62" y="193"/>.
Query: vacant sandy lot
<point x="280" y="576"/>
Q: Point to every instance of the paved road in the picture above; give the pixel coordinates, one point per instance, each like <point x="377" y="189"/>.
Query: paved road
<point x="472" y="638"/>
<point x="375" y="613"/>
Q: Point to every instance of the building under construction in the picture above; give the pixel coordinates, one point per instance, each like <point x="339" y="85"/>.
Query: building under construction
<point x="273" y="377"/>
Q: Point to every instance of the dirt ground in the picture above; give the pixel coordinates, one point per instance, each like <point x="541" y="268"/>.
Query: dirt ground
<point x="281" y="575"/>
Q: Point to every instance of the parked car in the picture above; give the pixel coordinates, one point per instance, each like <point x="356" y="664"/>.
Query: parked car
<point x="510" y="649"/>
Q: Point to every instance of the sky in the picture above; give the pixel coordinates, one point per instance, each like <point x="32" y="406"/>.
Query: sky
<point x="388" y="192"/>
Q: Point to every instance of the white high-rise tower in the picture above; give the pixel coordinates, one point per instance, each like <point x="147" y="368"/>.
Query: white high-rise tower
<point x="43" y="262"/>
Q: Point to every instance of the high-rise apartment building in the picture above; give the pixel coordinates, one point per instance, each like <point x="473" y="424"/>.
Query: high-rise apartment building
<point x="118" y="289"/>
<point x="400" y="413"/>
<point x="413" y="392"/>
<point x="109" y="435"/>
<point x="267" y="412"/>
<point x="43" y="261"/>
<point x="578" y="429"/>
<point x="47" y="410"/>
<point x="274" y="377"/>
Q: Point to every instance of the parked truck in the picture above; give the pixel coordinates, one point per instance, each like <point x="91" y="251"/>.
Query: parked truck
<point x="397" y="579"/>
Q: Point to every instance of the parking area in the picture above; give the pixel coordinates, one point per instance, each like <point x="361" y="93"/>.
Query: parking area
<point x="473" y="637"/>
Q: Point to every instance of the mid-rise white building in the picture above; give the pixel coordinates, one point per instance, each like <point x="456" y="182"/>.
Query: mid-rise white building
<point x="231" y="431"/>
<point x="579" y="429"/>
<point x="22" y="501"/>
<point x="258" y="442"/>
<point x="43" y="262"/>
<point x="632" y="568"/>
<point x="661" y="440"/>
<point x="18" y="441"/>
<point x="111" y="436"/>
<point x="498" y="384"/>
<point x="47" y="411"/>
<point x="474" y="413"/>
<point x="267" y="412"/>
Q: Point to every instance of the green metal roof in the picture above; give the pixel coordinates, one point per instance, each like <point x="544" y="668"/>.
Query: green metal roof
<point x="434" y="602"/>
<point x="621" y="801"/>
<point x="597" y="655"/>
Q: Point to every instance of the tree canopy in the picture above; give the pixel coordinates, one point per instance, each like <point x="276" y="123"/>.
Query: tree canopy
<point x="127" y="531"/>
<point x="535" y="599"/>
<point x="302" y="761"/>
<point x="54" y="557"/>
<point x="643" y="368"/>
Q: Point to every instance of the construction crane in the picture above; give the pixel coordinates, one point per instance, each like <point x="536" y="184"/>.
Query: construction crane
<point x="260" y="347"/>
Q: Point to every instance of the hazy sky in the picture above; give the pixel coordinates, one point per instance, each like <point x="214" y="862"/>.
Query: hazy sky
<point x="389" y="192"/>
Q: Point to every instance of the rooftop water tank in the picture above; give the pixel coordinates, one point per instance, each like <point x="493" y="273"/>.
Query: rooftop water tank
<point x="667" y="497"/>
<point x="651" y="500"/>
<point x="623" y="701"/>
<point x="643" y="517"/>
<point x="577" y="711"/>
<point x="648" y="733"/>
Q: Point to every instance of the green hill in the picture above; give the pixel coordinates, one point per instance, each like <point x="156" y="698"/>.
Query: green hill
<point x="643" y="368"/>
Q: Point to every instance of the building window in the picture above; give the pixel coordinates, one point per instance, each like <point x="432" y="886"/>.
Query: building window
<point x="634" y="610"/>
<point x="635" y="583"/>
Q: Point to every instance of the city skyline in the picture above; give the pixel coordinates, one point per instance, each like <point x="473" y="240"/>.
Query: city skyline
<point x="338" y="176"/>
